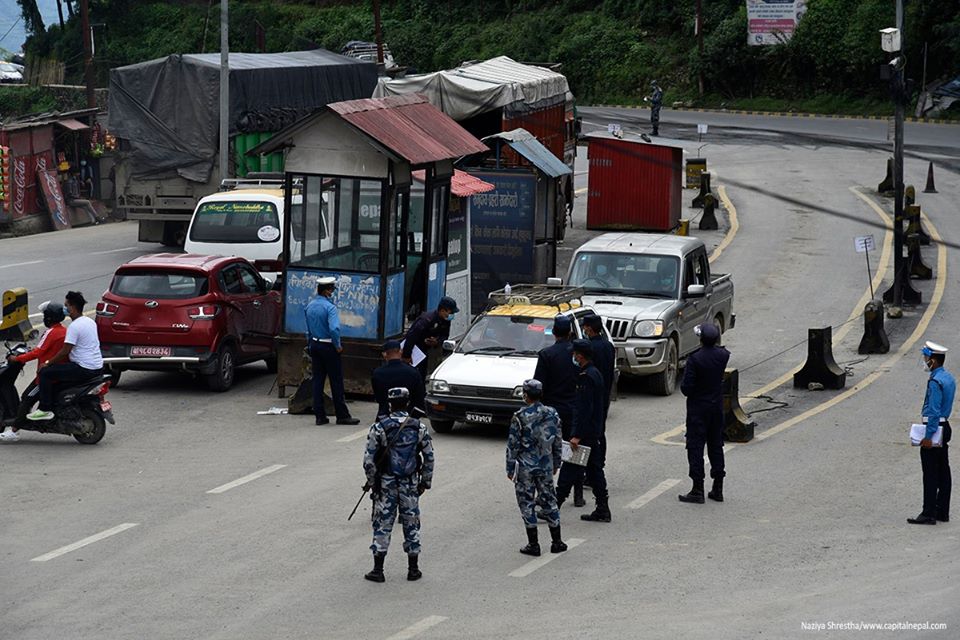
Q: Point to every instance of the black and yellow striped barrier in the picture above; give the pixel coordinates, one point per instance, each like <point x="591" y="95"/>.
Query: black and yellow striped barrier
<point x="16" y="323"/>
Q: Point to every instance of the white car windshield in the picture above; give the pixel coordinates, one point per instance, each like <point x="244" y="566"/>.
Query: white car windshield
<point x="653" y="276"/>
<point x="508" y="335"/>
<point x="236" y="221"/>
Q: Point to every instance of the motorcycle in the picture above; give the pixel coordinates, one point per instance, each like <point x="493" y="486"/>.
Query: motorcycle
<point x="80" y="410"/>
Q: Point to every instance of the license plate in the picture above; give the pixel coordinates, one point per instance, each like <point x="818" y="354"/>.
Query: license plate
<point x="149" y="352"/>
<point x="483" y="418"/>
<point x="105" y="406"/>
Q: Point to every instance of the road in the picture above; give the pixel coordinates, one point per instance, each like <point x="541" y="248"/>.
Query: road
<point x="812" y="533"/>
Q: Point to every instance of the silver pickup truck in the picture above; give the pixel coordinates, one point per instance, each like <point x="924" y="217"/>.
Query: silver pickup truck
<point x="652" y="290"/>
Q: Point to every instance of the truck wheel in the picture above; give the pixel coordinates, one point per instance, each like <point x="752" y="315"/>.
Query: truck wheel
<point x="174" y="234"/>
<point x="226" y="364"/>
<point x="442" y="426"/>
<point x="665" y="382"/>
<point x="718" y="320"/>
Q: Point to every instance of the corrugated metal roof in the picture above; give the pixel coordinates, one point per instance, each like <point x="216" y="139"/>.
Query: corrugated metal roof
<point x="462" y="184"/>
<point x="72" y="125"/>
<point x="410" y="127"/>
<point x="527" y="145"/>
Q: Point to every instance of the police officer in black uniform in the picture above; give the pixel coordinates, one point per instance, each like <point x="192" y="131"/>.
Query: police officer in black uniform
<point x="604" y="354"/>
<point x="395" y="373"/>
<point x="703" y="385"/>
<point x="558" y="374"/>
<point x="429" y="331"/>
<point x="587" y="429"/>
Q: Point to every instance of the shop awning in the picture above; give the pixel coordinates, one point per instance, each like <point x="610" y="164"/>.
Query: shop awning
<point x="527" y="145"/>
<point x="462" y="184"/>
<point x="72" y="125"/>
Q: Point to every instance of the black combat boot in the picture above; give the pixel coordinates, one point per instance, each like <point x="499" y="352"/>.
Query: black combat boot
<point x="578" y="500"/>
<point x="533" y="545"/>
<point x="377" y="574"/>
<point x="601" y="513"/>
<point x="717" y="492"/>
<point x="696" y="493"/>
<point x="413" y="570"/>
<point x="557" y="545"/>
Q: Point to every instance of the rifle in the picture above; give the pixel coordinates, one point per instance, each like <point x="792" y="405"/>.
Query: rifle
<point x="366" y="488"/>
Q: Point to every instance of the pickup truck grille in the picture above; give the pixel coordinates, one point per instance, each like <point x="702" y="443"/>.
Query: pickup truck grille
<point x="618" y="328"/>
<point x="479" y="392"/>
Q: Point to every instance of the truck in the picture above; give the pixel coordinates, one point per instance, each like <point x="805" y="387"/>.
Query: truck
<point x="652" y="291"/>
<point x="164" y="114"/>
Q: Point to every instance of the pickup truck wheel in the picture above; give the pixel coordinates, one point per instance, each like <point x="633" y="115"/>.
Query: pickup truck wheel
<point x="442" y="426"/>
<point x="222" y="377"/>
<point x="718" y="320"/>
<point x="665" y="382"/>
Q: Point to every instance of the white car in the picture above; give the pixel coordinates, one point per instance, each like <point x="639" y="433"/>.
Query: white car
<point x="10" y="72"/>
<point x="481" y="381"/>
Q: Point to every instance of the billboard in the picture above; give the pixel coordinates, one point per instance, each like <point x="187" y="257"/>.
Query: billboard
<point x="773" y="21"/>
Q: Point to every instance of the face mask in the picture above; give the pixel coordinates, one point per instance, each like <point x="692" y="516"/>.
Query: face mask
<point x="575" y="362"/>
<point x="451" y="316"/>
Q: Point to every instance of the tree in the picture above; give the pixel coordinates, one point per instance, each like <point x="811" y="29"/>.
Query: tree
<point x="32" y="20"/>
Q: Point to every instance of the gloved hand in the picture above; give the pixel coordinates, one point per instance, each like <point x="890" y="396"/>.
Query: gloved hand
<point x="421" y="488"/>
<point x="366" y="486"/>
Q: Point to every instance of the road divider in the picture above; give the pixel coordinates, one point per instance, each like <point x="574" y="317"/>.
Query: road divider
<point x="56" y="553"/>
<point x="249" y="478"/>
<point x="545" y="559"/>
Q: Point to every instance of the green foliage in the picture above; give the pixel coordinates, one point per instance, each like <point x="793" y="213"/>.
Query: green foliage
<point x="18" y="99"/>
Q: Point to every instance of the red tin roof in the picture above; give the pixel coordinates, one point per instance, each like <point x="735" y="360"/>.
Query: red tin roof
<point x="410" y="127"/>
<point x="462" y="184"/>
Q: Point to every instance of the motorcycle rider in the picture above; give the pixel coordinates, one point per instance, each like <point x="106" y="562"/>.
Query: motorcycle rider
<point x="49" y="345"/>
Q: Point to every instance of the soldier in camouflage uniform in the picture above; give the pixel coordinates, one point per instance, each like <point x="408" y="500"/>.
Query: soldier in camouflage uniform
<point x="533" y="457"/>
<point x="398" y="463"/>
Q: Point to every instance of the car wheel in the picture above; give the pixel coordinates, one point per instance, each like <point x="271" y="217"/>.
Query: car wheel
<point x="226" y="365"/>
<point x="665" y="382"/>
<point x="94" y="427"/>
<point x="442" y="426"/>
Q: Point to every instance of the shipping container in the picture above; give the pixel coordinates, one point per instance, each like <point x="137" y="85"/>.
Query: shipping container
<point x="633" y="185"/>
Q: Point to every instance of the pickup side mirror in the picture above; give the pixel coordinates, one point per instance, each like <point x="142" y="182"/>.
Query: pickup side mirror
<point x="696" y="291"/>
<point x="449" y="345"/>
<point x="554" y="282"/>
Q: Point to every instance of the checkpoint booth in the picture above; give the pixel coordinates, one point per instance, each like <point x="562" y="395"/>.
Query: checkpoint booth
<point x="355" y="212"/>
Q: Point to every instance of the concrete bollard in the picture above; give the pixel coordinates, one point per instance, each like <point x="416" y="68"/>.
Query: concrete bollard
<point x="914" y="223"/>
<point x="737" y="426"/>
<point x="704" y="190"/>
<point x="930" y="188"/>
<point x="909" y="196"/>
<point x="820" y="367"/>
<point x="916" y="267"/>
<point x="683" y="228"/>
<point x="874" y="338"/>
<point x="708" y="221"/>
<point x="16" y="325"/>
<point x="301" y="402"/>
<point x="886" y="187"/>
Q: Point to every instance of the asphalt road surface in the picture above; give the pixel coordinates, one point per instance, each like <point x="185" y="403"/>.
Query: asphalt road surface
<point x="204" y="520"/>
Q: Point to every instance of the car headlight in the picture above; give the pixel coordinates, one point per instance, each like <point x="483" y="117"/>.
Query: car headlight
<point x="518" y="392"/>
<point x="439" y="386"/>
<point x="648" y="329"/>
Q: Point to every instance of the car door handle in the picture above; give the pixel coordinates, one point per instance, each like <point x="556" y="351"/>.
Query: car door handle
<point x="257" y="303"/>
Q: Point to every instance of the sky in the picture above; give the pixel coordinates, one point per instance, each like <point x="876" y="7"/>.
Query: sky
<point x="10" y="13"/>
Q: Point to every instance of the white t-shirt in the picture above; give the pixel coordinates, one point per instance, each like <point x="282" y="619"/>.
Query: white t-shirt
<point x="82" y="334"/>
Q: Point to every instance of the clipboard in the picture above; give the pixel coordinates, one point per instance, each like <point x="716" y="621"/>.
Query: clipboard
<point x="578" y="457"/>
<point x="919" y="431"/>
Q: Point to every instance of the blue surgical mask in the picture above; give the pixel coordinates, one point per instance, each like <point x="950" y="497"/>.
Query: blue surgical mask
<point x="575" y="362"/>
<point x="451" y="316"/>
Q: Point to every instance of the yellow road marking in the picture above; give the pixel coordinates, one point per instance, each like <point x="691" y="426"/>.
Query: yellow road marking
<point x="886" y="252"/>
<point x="734" y="224"/>
<point x="581" y="190"/>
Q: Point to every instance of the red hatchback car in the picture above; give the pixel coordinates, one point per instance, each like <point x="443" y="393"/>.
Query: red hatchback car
<point x="204" y="314"/>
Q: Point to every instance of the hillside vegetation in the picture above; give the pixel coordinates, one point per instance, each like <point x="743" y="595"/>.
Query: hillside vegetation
<point x="610" y="49"/>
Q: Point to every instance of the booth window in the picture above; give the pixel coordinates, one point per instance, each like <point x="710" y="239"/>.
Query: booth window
<point x="438" y="228"/>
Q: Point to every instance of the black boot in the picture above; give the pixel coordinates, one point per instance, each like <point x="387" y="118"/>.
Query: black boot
<point x="696" y="493"/>
<point x="377" y="574"/>
<point x="717" y="492"/>
<point x="558" y="545"/>
<point x="533" y="545"/>
<point x="578" y="500"/>
<point x="601" y="513"/>
<point x="413" y="570"/>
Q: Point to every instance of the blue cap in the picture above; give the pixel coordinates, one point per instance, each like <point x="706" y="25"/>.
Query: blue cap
<point x="446" y="302"/>
<point x="933" y="349"/>
<point x="583" y="347"/>
<point x="709" y="333"/>
<point x="561" y="325"/>
<point x="391" y="345"/>
<point x="594" y="322"/>
<point x="533" y="388"/>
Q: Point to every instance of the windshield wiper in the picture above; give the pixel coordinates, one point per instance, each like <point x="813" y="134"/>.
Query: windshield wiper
<point x="519" y="352"/>
<point x="489" y="348"/>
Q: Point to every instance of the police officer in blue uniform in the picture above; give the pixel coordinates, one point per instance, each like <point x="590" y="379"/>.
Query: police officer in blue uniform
<point x="429" y="331"/>
<point x="323" y="344"/>
<point x="937" y="406"/>
<point x="395" y="373"/>
<point x="587" y="429"/>
<point x="703" y="385"/>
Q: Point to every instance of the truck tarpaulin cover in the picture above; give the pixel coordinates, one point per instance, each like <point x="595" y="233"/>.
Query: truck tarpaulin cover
<point x="473" y="89"/>
<point x="167" y="110"/>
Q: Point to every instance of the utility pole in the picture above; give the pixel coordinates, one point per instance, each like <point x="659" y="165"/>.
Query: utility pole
<point x="224" y="89"/>
<point x="700" y="46"/>
<point x="87" y="53"/>
<point x="378" y="35"/>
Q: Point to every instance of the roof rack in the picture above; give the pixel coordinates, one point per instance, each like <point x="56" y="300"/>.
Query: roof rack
<point x="258" y="181"/>
<point x="538" y="294"/>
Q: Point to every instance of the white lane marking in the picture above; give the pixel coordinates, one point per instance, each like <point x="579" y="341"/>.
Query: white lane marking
<point x="354" y="436"/>
<point x="100" y="253"/>
<point x="20" y="264"/>
<point x="666" y="485"/>
<point x="536" y="563"/>
<point x="56" y="553"/>
<point x="246" y="479"/>
<point x="417" y="628"/>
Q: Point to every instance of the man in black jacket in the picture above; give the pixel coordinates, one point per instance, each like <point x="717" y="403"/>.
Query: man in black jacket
<point x="604" y="354"/>
<point x="703" y="385"/>
<point x="395" y="373"/>
<point x="587" y="430"/>
<point x="428" y="332"/>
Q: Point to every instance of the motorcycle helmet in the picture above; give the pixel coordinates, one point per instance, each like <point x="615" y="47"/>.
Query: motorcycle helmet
<point x="52" y="313"/>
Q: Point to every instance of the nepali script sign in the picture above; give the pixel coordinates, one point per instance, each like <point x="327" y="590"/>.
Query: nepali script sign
<point x="773" y="21"/>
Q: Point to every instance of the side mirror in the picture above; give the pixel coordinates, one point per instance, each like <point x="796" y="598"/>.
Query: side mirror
<point x="696" y="291"/>
<point x="554" y="282"/>
<point x="449" y="345"/>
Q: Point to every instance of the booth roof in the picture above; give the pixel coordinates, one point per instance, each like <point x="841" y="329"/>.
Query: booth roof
<point x="462" y="184"/>
<point x="527" y="145"/>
